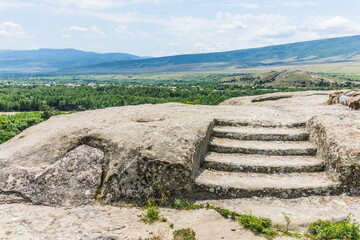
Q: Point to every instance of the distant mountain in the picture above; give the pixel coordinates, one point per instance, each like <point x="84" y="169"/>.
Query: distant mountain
<point x="319" y="51"/>
<point x="344" y="49"/>
<point x="49" y="60"/>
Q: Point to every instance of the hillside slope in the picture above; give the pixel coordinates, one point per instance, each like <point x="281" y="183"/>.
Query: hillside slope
<point x="45" y="60"/>
<point x="319" y="51"/>
<point x="287" y="78"/>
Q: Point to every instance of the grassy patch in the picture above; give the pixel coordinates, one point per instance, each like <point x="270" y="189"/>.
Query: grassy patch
<point x="223" y="212"/>
<point x="345" y="230"/>
<point x="152" y="212"/>
<point x="185" y="204"/>
<point x="258" y="225"/>
<point x="184" y="234"/>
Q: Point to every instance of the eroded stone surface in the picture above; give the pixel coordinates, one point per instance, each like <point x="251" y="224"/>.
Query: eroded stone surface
<point x="237" y="184"/>
<point x="262" y="163"/>
<point x="223" y="145"/>
<point x="302" y="211"/>
<point x="338" y="139"/>
<point x="262" y="134"/>
<point x="29" y="222"/>
<point x="71" y="181"/>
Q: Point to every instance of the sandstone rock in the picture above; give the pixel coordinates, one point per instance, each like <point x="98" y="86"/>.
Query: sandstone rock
<point x="337" y="137"/>
<point x="349" y="98"/>
<point x="134" y="151"/>
<point x="71" y="181"/>
<point x="354" y="102"/>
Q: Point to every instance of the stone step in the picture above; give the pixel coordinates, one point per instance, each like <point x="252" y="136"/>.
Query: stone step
<point x="239" y="123"/>
<point x="236" y="162"/>
<point x="261" y="133"/>
<point x="243" y="185"/>
<point x="225" y="145"/>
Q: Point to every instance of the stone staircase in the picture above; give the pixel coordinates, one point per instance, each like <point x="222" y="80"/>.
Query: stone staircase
<point x="262" y="161"/>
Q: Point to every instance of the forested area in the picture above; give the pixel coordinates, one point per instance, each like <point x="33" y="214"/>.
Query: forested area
<point x="67" y="98"/>
<point x="11" y="125"/>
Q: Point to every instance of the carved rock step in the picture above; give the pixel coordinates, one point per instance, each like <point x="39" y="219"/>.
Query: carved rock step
<point x="225" y="145"/>
<point x="235" y="162"/>
<point x="261" y="133"/>
<point x="238" y="123"/>
<point x="231" y="184"/>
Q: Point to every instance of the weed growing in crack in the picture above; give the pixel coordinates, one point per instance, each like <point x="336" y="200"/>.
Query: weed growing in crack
<point x="346" y="230"/>
<point x="184" y="234"/>
<point x="152" y="212"/>
<point x="258" y="225"/>
<point x="288" y="222"/>
<point x="185" y="204"/>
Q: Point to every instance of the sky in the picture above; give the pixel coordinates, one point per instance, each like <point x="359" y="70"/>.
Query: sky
<point x="172" y="27"/>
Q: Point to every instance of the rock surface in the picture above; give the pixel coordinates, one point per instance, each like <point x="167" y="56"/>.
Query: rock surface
<point x="147" y="149"/>
<point x="338" y="139"/>
<point x="29" y="222"/>
<point x="71" y="181"/>
<point x="130" y="152"/>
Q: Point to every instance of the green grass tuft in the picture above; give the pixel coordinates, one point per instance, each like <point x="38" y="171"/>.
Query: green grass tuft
<point x="184" y="234"/>
<point x="185" y="204"/>
<point x="345" y="230"/>
<point x="258" y="225"/>
<point x="152" y="212"/>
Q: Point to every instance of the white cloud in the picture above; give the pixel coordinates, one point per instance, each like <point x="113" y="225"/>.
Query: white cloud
<point x="84" y="4"/>
<point x="13" y="4"/>
<point x="123" y="32"/>
<point x="233" y="26"/>
<point x="77" y="28"/>
<point x="335" y="22"/>
<point x="66" y="36"/>
<point x="98" y="4"/>
<point x="245" y="5"/>
<point x="96" y="32"/>
<point x="298" y="4"/>
<point x="12" y="30"/>
<point x="91" y="32"/>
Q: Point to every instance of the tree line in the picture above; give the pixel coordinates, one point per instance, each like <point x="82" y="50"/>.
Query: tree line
<point x="66" y="98"/>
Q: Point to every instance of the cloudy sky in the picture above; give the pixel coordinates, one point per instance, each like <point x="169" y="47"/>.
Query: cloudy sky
<point x="169" y="27"/>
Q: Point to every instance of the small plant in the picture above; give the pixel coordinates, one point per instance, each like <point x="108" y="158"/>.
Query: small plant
<point x="97" y="193"/>
<point x="185" y="204"/>
<point x="258" y="225"/>
<point x="171" y="225"/>
<point x="345" y="230"/>
<point x="223" y="212"/>
<point x="329" y="101"/>
<point x="164" y="197"/>
<point x="288" y="222"/>
<point x="164" y="219"/>
<point x="184" y="234"/>
<point x="152" y="212"/>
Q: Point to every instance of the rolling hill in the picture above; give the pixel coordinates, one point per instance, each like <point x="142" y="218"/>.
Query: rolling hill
<point x="288" y="78"/>
<point x="49" y="60"/>
<point x="344" y="49"/>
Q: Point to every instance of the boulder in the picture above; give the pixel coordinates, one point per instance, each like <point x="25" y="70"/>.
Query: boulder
<point x="73" y="180"/>
<point x="354" y="102"/>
